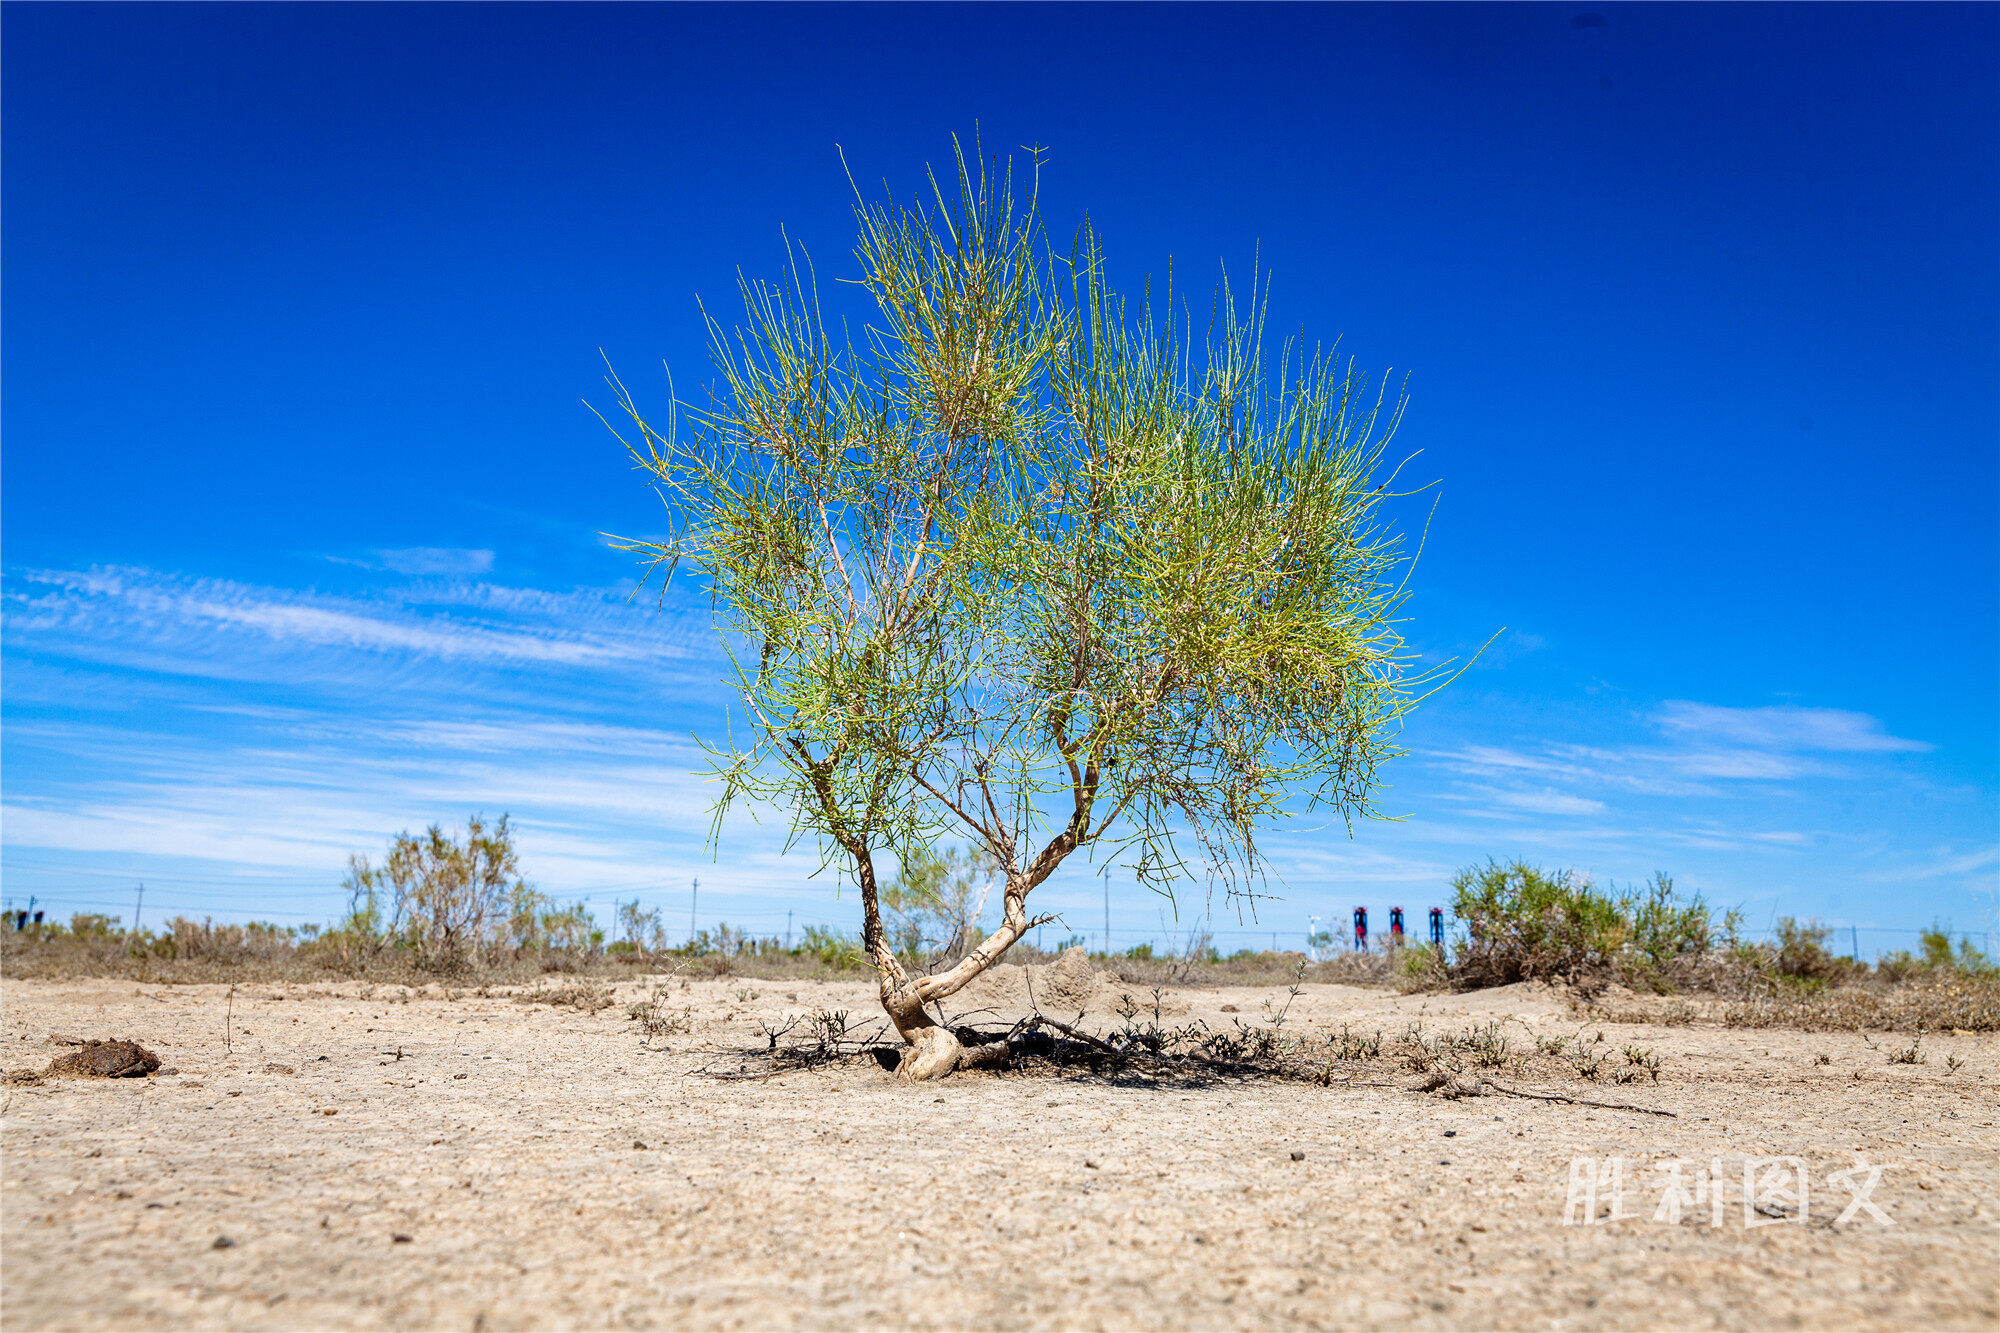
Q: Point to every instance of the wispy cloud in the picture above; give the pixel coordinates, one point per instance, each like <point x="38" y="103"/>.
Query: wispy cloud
<point x="111" y="613"/>
<point x="1784" y="729"/>
<point x="1540" y="801"/>
<point x="232" y="743"/>
<point x="436" y="560"/>
<point x="1704" y="749"/>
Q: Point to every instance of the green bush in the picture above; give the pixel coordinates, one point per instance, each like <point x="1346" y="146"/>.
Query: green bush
<point x="831" y="948"/>
<point x="1523" y="923"/>
<point x="92" y="926"/>
<point x="1664" y="930"/>
<point x="1938" y="958"/>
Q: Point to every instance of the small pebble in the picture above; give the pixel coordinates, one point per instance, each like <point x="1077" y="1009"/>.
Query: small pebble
<point x="170" y="1069"/>
<point x="639" y="1144"/>
<point x="223" y="1243"/>
<point x="458" y="1076"/>
<point x="1298" y="1156"/>
<point x="1092" y="1165"/>
<point x="1451" y="1133"/>
<point x="400" y="1239"/>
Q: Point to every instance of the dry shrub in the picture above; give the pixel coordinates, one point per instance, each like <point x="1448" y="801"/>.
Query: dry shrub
<point x="582" y="994"/>
<point x="1654" y="1010"/>
<point x="1936" y="1003"/>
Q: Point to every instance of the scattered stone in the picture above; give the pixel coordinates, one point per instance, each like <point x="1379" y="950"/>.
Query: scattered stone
<point x="169" y="1071"/>
<point x="1092" y="1165"/>
<point x="640" y="1144"/>
<point x="1298" y="1156"/>
<point x="1451" y="1133"/>
<point x="223" y="1243"/>
<point x="400" y="1239"/>
<point x="24" y="1078"/>
<point x="106" y="1059"/>
<point x="1231" y="1009"/>
<point x="454" y="1075"/>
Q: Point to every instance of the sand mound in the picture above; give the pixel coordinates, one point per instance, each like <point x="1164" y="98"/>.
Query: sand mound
<point x="1065" y="985"/>
<point x="1059" y="988"/>
<point x="1001" y="986"/>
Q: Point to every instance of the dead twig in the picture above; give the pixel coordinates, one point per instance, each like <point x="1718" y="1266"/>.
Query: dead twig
<point x="1043" y="1020"/>
<point x="1578" y="1101"/>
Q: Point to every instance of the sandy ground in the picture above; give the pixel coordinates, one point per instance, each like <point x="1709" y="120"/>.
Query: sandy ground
<point x="492" y="1177"/>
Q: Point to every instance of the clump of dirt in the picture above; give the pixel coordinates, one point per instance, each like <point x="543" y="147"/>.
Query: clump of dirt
<point x="106" y="1059"/>
<point x="1066" y="984"/>
<point x="1000" y="986"/>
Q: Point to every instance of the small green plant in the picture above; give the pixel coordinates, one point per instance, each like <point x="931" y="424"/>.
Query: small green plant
<point x="1489" y="1046"/>
<point x="655" y="1019"/>
<point x="1351" y="1045"/>
<point x="1913" y="1054"/>
<point x="1641" y="1060"/>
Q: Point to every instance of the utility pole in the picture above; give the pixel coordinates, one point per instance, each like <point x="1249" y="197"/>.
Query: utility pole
<point x="136" y="906"/>
<point x="788" y="930"/>
<point x="694" y="900"/>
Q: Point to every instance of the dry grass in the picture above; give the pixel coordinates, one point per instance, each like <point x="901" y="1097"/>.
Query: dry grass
<point x="1939" y="1003"/>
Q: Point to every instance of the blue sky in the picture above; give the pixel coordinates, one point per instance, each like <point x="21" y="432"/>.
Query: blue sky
<point x="302" y="506"/>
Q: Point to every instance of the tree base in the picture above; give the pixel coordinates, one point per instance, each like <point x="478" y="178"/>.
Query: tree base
<point x="936" y="1051"/>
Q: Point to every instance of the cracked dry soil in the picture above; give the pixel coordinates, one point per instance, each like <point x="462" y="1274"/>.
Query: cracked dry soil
<point x="492" y="1176"/>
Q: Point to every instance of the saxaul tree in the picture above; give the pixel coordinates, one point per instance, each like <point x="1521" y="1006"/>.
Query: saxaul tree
<point x="1026" y="565"/>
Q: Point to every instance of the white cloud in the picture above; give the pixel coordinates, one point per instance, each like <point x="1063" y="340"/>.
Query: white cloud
<point x="1784" y="728"/>
<point x="436" y="560"/>
<point x="140" y="617"/>
<point x="1545" y="802"/>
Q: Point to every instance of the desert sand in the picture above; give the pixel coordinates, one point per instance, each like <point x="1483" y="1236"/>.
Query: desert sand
<point x="440" y="1159"/>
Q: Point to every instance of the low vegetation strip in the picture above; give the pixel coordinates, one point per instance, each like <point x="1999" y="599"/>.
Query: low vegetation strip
<point x="441" y="911"/>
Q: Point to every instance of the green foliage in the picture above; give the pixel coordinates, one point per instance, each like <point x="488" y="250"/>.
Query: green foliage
<point x="1028" y="565"/>
<point x="639" y="930"/>
<point x="1938" y="959"/>
<point x="447" y="902"/>
<point x="836" y="951"/>
<point x="1664" y="929"/>
<point x="92" y="926"/>
<point x="1523" y="923"/>
<point x="932" y="909"/>
<point x="1801" y="956"/>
